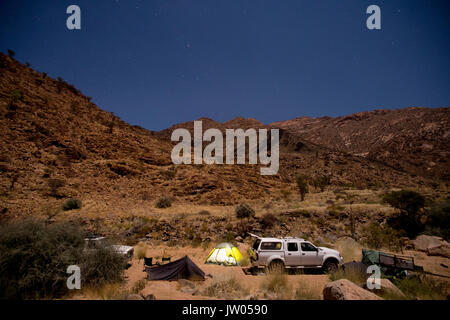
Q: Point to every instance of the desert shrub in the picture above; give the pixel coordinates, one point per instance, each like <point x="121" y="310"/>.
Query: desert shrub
<point x="321" y="182"/>
<point x="268" y="220"/>
<point x="55" y="184"/>
<point x="229" y="226"/>
<point x="243" y="210"/>
<point x="164" y="202"/>
<point x="302" y="185"/>
<point x="101" y="265"/>
<point x="415" y="287"/>
<point x="225" y="287"/>
<point x="243" y="228"/>
<point x="244" y="262"/>
<point x="196" y="242"/>
<point x="285" y="194"/>
<point x="378" y="236"/>
<point x="16" y="95"/>
<point x="72" y="204"/>
<point x="229" y="237"/>
<point x="204" y="213"/>
<point x="438" y="219"/>
<point x="140" y="250"/>
<point x="278" y="285"/>
<point x="410" y="205"/>
<point x="34" y="257"/>
<point x="305" y="290"/>
<point x="138" y="286"/>
<point x="189" y="233"/>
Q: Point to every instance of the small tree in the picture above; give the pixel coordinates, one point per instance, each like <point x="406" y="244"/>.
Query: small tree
<point x="410" y="205"/>
<point x="244" y="211"/>
<point x="323" y="182"/>
<point x="55" y="184"/>
<point x="11" y="53"/>
<point x="302" y="185"/>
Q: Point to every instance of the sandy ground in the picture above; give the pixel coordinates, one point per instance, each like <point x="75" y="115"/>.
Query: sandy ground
<point x="169" y="289"/>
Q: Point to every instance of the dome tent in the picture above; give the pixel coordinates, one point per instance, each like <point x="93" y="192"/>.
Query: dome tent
<point x="225" y="253"/>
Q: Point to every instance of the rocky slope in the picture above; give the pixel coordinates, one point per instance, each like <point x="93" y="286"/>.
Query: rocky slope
<point x="416" y="140"/>
<point x="56" y="144"/>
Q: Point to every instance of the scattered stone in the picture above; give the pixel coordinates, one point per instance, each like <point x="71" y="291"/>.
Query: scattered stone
<point x="134" y="297"/>
<point x="346" y="290"/>
<point x="150" y="296"/>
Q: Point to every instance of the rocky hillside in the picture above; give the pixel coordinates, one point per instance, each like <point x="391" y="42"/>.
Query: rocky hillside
<point x="416" y="140"/>
<point x="56" y="144"/>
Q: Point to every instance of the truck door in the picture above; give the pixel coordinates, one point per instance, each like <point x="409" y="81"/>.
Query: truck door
<point x="309" y="255"/>
<point x="292" y="256"/>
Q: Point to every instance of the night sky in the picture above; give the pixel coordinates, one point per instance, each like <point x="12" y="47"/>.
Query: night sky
<point x="159" y="62"/>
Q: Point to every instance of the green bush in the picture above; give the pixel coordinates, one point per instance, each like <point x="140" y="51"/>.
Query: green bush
<point x="72" y="204"/>
<point x="438" y="219"/>
<point x="164" y="202"/>
<point x="302" y="185"/>
<point x="244" y="211"/>
<point x="379" y="236"/>
<point x="268" y="220"/>
<point x="34" y="258"/>
<point x="101" y="265"/>
<point x="410" y="205"/>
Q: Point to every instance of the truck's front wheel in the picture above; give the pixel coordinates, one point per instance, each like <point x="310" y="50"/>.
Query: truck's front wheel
<point x="276" y="267"/>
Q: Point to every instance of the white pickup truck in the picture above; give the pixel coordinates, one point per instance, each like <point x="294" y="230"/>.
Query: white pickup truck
<point x="276" y="254"/>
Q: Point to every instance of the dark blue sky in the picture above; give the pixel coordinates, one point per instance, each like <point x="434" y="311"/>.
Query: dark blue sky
<point x="159" y="62"/>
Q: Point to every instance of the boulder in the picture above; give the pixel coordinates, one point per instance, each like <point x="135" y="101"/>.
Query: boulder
<point x="344" y="289"/>
<point x="387" y="287"/>
<point x="432" y="245"/>
<point x="442" y="251"/>
<point x="424" y="242"/>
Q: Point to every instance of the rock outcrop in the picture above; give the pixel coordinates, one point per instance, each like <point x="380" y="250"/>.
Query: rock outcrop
<point x="344" y="289"/>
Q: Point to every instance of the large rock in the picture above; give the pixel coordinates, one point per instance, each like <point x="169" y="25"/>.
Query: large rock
<point x="387" y="287"/>
<point x="442" y="251"/>
<point x="432" y="245"/>
<point x="424" y="242"/>
<point x="346" y="290"/>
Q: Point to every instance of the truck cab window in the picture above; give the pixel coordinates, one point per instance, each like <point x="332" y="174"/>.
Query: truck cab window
<point x="308" y="247"/>
<point x="292" y="246"/>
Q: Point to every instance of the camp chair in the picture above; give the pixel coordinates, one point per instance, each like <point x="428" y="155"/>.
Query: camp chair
<point x="148" y="261"/>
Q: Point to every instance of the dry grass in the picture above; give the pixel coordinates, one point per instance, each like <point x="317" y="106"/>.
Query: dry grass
<point x="226" y="287"/>
<point x="113" y="291"/>
<point x="308" y="290"/>
<point x="349" y="249"/>
<point x="278" y="286"/>
<point x="140" y="251"/>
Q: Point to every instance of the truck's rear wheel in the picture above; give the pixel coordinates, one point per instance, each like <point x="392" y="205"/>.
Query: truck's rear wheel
<point x="330" y="266"/>
<point x="276" y="267"/>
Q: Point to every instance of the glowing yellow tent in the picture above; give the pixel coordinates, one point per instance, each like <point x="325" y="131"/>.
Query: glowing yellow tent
<point x="226" y="254"/>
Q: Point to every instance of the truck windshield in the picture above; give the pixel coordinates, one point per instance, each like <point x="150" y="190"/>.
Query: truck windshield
<point x="256" y="244"/>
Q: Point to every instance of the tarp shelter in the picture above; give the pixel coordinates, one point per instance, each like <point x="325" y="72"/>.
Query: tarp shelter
<point x="183" y="268"/>
<point x="226" y="254"/>
<point x="355" y="267"/>
<point x="370" y="257"/>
